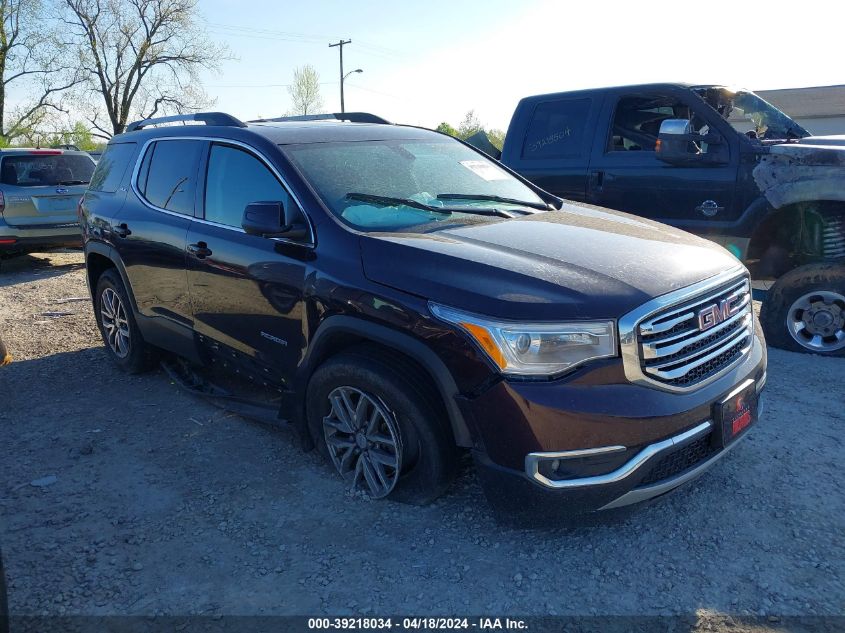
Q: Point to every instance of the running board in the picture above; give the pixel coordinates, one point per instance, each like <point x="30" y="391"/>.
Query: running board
<point x="188" y="379"/>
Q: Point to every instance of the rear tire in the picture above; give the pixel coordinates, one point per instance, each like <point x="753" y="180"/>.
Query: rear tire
<point x="120" y="332"/>
<point x="804" y="311"/>
<point x="412" y="424"/>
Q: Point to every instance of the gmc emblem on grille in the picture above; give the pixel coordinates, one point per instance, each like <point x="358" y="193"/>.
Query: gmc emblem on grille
<point x="714" y="314"/>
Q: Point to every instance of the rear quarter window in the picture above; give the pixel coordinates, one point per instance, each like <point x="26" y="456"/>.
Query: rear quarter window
<point x="112" y="167"/>
<point x="557" y="130"/>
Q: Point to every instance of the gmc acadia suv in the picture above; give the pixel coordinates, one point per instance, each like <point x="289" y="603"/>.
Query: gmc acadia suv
<point x="409" y="297"/>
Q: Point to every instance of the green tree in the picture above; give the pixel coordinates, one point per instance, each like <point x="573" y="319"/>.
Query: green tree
<point x="497" y="138"/>
<point x="469" y="126"/>
<point x="305" y="91"/>
<point x="445" y="128"/>
<point x="472" y="125"/>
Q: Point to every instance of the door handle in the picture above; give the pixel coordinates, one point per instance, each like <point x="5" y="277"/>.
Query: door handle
<point x="121" y="230"/>
<point x="596" y="180"/>
<point x="199" y="250"/>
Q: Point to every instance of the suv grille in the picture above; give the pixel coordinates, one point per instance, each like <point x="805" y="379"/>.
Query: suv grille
<point x="674" y="349"/>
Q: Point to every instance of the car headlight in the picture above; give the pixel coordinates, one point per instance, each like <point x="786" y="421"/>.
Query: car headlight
<point x="534" y="349"/>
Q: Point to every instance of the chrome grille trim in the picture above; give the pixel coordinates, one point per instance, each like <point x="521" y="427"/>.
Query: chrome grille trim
<point x="712" y="352"/>
<point x="668" y="346"/>
<point x="653" y="337"/>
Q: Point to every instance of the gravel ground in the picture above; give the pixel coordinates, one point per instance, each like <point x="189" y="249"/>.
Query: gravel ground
<point x="123" y="495"/>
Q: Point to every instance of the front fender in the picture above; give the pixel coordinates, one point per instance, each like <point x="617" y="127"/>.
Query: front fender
<point x="394" y="339"/>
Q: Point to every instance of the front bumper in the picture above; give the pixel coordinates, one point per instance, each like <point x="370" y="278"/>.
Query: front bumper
<point x="42" y="236"/>
<point x="628" y="443"/>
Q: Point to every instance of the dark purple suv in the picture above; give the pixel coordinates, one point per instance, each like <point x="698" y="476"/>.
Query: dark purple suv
<point x="409" y="299"/>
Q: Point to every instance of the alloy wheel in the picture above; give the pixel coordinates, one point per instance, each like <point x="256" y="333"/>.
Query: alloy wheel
<point x="115" y="323"/>
<point x="363" y="440"/>
<point x="817" y="321"/>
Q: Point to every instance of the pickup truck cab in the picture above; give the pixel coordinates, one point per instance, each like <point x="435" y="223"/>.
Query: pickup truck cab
<point x="720" y="163"/>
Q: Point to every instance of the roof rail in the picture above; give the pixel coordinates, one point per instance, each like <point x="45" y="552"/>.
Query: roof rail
<point x="352" y="117"/>
<point x="209" y="118"/>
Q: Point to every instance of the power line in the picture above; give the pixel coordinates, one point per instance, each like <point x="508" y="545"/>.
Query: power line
<point x="230" y="29"/>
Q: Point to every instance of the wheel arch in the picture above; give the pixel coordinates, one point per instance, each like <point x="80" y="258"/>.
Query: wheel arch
<point x="780" y="226"/>
<point x="341" y="332"/>
<point x="100" y="257"/>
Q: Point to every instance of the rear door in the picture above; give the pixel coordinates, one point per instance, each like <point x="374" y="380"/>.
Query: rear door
<point x="247" y="291"/>
<point x="43" y="187"/>
<point x="551" y="143"/>
<point x="149" y="232"/>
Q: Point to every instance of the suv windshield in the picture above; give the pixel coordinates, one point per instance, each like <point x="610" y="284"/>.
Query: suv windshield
<point x="39" y="170"/>
<point x="750" y="114"/>
<point x="410" y="184"/>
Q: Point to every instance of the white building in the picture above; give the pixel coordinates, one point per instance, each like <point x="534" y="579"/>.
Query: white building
<point x="820" y="109"/>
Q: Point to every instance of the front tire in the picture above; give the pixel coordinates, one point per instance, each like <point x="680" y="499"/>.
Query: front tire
<point x="116" y="321"/>
<point x="378" y="423"/>
<point x="804" y="311"/>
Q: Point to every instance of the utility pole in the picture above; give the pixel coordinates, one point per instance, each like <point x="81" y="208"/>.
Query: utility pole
<point x="340" y="45"/>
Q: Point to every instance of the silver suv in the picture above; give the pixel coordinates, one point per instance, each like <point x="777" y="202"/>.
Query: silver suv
<point x="39" y="193"/>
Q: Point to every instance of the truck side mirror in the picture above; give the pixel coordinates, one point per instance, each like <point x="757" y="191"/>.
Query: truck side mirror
<point x="678" y="144"/>
<point x="272" y="219"/>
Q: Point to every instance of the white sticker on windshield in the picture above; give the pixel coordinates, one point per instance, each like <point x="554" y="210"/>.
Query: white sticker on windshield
<point x="485" y="170"/>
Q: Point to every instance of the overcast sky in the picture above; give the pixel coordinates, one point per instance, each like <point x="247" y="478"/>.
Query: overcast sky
<point x="425" y="62"/>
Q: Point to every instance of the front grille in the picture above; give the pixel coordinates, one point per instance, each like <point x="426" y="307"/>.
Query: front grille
<point x="680" y="460"/>
<point x="673" y="348"/>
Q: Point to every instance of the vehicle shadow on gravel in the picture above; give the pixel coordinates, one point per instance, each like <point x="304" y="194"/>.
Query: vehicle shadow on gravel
<point x="27" y="268"/>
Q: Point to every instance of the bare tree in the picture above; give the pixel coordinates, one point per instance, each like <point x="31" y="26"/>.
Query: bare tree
<point x="140" y="58"/>
<point x="305" y="91"/>
<point x="32" y="64"/>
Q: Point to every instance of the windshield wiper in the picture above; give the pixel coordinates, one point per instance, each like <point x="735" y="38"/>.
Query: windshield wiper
<point x="72" y="182"/>
<point x="389" y="201"/>
<point x="471" y="196"/>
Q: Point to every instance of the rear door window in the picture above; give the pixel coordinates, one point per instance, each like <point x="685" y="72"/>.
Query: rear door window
<point x="168" y="178"/>
<point x="235" y="179"/>
<point x="112" y="167"/>
<point x="40" y="170"/>
<point x="557" y="130"/>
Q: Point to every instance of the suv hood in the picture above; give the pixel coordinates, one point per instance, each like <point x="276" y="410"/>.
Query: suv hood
<point x="579" y="262"/>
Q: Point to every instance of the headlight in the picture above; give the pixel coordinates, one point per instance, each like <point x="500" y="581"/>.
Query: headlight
<point x="534" y="349"/>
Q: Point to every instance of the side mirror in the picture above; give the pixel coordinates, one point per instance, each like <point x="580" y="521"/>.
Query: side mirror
<point x="271" y="219"/>
<point x="678" y="144"/>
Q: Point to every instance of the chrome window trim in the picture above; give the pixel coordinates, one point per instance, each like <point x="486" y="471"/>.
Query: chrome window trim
<point x="245" y="146"/>
<point x="532" y="461"/>
<point x="628" y="324"/>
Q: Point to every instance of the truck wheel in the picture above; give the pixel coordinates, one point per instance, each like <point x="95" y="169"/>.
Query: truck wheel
<point x="805" y="310"/>
<point x="124" y="343"/>
<point x="378" y="424"/>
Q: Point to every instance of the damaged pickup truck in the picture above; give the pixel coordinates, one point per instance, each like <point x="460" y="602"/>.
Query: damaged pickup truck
<point x="721" y="163"/>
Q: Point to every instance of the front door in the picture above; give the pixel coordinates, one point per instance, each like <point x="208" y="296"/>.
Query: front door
<point x="625" y="173"/>
<point x="246" y="290"/>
